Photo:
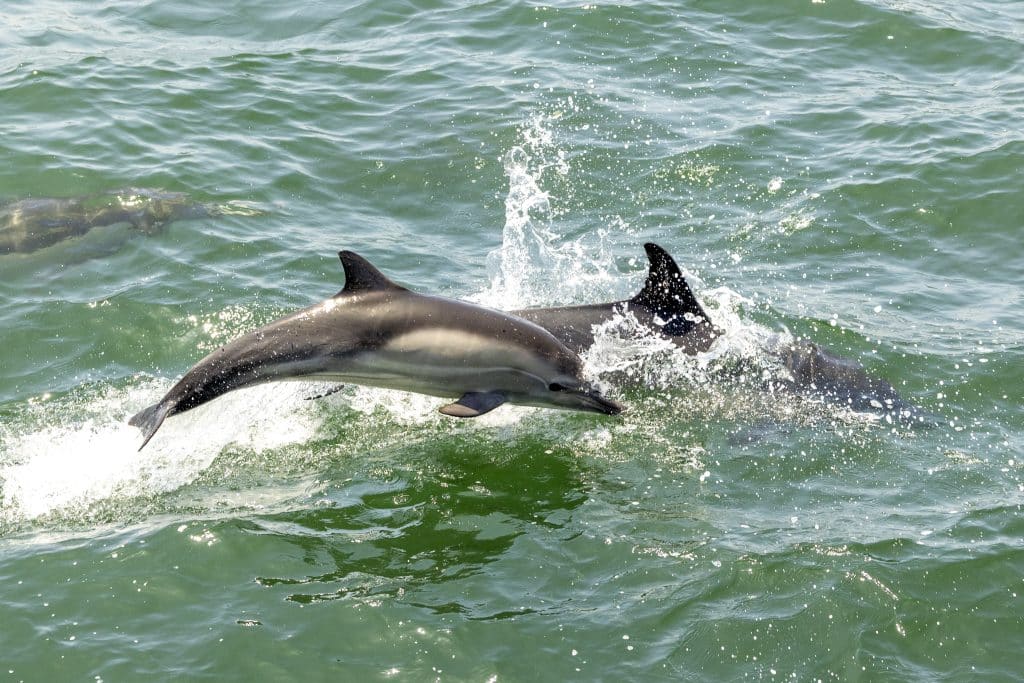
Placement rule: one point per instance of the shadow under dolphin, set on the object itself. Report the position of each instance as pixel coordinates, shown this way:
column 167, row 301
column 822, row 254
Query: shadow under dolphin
column 667, row 306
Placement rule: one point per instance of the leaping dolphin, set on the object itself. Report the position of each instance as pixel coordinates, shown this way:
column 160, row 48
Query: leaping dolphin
column 667, row 306
column 378, row 333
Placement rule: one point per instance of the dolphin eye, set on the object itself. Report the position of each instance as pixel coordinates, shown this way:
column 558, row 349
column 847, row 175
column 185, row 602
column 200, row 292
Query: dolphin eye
column 555, row 386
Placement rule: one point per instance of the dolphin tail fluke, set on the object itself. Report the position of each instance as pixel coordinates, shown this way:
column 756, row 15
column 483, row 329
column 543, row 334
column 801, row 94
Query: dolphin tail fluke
column 667, row 293
column 149, row 420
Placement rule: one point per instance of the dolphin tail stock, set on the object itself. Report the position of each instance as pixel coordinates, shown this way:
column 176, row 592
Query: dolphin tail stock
column 666, row 293
column 150, row 419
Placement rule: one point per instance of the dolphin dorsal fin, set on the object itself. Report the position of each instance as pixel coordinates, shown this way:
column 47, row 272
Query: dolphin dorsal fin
column 363, row 276
column 667, row 293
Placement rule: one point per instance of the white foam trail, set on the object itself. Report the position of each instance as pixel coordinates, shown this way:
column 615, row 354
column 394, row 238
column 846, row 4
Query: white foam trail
column 71, row 465
column 58, row 466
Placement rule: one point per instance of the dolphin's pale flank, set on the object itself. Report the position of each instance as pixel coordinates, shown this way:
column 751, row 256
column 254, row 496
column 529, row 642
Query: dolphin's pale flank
column 666, row 305
column 377, row 333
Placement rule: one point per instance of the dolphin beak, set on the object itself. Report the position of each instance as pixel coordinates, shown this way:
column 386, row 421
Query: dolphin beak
column 593, row 400
column 579, row 396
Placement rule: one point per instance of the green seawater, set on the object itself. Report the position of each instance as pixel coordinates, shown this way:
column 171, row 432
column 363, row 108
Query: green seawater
column 846, row 170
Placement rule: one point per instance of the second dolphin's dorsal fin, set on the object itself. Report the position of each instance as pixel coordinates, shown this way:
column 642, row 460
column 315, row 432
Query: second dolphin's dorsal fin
column 363, row 276
column 667, row 293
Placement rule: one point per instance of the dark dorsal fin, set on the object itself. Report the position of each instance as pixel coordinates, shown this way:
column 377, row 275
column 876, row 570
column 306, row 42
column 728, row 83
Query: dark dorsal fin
column 667, row 293
column 363, row 276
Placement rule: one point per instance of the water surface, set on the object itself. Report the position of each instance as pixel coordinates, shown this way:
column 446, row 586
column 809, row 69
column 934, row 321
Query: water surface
column 847, row 171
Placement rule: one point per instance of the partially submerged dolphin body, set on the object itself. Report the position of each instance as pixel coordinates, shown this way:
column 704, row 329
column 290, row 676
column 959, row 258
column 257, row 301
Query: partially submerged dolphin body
column 666, row 305
column 378, row 333
column 27, row 225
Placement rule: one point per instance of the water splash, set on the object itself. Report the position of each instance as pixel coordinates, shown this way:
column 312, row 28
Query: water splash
column 85, row 451
column 535, row 264
column 66, row 457
column 541, row 263
column 525, row 240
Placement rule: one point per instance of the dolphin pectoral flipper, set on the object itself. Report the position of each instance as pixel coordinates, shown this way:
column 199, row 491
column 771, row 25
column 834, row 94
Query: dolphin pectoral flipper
column 473, row 404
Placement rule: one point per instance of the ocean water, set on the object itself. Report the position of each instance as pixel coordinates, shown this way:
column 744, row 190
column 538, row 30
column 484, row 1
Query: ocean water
column 848, row 171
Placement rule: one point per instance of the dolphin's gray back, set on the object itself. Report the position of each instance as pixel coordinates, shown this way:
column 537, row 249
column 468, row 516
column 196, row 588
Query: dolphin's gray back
column 573, row 325
column 815, row 370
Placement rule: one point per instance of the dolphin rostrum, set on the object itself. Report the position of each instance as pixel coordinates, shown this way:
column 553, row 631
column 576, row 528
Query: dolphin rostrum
column 378, row 333
column 28, row 225
column 666, row 305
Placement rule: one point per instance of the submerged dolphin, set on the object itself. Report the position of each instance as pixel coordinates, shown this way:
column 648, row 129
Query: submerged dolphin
column 27, row 225
column 666, row 305
column 377, row 333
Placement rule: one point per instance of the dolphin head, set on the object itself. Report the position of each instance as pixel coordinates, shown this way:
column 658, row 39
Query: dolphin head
column 562, row 383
